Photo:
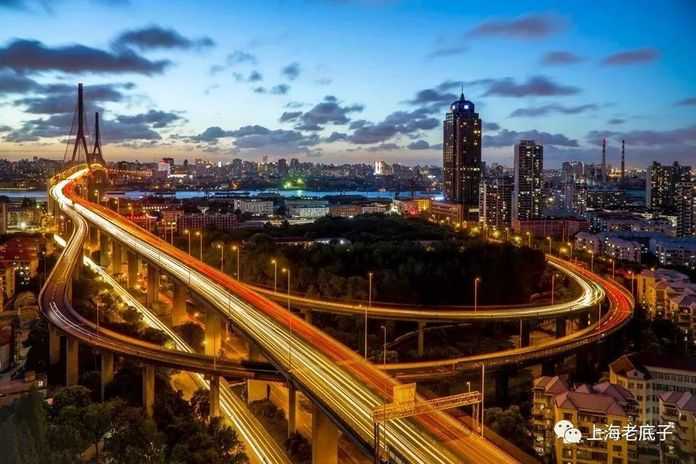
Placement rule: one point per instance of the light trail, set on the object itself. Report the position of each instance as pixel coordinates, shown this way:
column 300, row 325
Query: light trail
column 329, row 372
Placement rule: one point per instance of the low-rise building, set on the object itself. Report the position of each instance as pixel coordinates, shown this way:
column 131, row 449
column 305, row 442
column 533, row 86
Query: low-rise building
column 254, row 206
column 675, row 251
column 559, row 228
column 306, row 208
column 446, row 212
column 679, row 409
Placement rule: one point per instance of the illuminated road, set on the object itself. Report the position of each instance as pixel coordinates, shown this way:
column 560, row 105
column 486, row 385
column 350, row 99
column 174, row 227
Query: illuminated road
column 56, row 308
column 588, row 298
column 619, row 313
column 335, row 377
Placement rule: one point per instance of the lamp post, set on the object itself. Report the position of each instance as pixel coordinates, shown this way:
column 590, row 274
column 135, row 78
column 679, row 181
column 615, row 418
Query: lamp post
column 529, row 239
column 553, row 287
column 549, row 239
column 199, row 233
column 237, row 248
column 477, row 280
column 591, row 261
column 613, row 269
column 222, row 256
column 630, row 273
column 369, row 305
column 188, row 232
column 275, row 274
column 384, row 352
column 287, row 271
column 570, row 245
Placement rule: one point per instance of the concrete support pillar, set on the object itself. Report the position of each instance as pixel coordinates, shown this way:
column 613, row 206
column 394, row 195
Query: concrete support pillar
column 133, row 260
column 307, row 316
column 72, row 363
column 524, row 333
column 292, row 409
column 53, row 345
column 116, row 257
column 107, row 370
column 80, row 263
column 560, row 327
column 502, row 378
column 324, row 438
column 421, row 338
column 257, row 390
column 213, row 332
column 93, row 235
column 103, row 249
column 214, row 398
column 149, row 389
column 179, row 315
column 152, row 285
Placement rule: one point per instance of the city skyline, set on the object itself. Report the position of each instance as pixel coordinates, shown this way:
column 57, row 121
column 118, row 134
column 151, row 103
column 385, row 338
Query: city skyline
column 213, row 82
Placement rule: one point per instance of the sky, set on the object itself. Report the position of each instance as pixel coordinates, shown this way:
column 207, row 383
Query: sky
column 349, row 80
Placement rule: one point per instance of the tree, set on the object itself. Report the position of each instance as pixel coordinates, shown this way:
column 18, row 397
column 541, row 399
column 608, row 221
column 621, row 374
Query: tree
column 200, row 403
column 134, row 439
column 193, row 334
column 97, row 420
column 510, row 424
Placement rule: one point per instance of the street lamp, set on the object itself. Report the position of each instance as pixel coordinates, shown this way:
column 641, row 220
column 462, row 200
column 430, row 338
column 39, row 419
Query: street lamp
column 630, row 273
column 477, row 280
column 549, row 239
column 591, row 261
column 287, row 271
column 222, row 256
column 384, row 353
column 529, row 239
column 570, row 245
column 236, row 248
column 199, row 233
column 613, row 269
column 553, row 287
column 369, row 305
column 188, row 232
column 275, row 274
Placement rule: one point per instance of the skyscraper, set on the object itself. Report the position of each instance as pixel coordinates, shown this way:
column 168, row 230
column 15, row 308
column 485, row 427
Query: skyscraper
column 661, row 186
column 685, row 205
column 527, row 196
column 462, row 157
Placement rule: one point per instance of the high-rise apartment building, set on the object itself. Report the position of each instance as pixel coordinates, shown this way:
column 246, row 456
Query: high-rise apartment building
column 685, row 206
column 527, row 197
column 462, row 157
column 496, row 201
column 661, row 185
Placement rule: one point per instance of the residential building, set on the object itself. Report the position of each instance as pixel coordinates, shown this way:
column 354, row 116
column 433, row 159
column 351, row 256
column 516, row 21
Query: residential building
column 222, row 222
column 679, row 408
column 254, row 206
column 495, row 205
column 558, row 228
column 675, row 251
column 685, row 200
column 306, row 208
column 527, row 197
column 661, row 185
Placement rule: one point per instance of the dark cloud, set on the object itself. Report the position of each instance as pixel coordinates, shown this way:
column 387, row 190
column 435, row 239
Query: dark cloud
column 5, row 129
column 418, row 145
column 560, row 58
column 552, row 108
column 335, row 137
column 638, row 56
column 294, row 104
column 259, row 137
column 691, row 101
column 539, row 86
column 649, row 138
column 616, row 121
column 291, row 71
column 384, row 147
column 491, row 126
column 323, row 81
column 254, row 76
column 507, row 137
column 326, row 112
column 154, row 118
column 211, row 134
column 13, row 82
column 289, row 116
column 526, row 27
column 58, row 125
column 436, row 98
column 444, row 51
column 61, row 98
column 33, row 56
column 156, row 37
column 409, row 123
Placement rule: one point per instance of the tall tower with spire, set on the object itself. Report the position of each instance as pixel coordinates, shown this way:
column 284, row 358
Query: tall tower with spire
column 623, row 160
column 461, row 152
column 80, row 153
column 97, row 156
column 604, row 160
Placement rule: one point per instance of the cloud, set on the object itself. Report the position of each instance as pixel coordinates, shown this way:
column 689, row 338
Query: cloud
column 335, row 137
column 552, row 108
column 13, row 82
column 539, row 86
column 329, row 111
column 491, row 126
column 525, row 27
column 288, row 116
column 691, row 101
column 418, row 145
column 616, row 121
column 507, row 137
column 560, row 58
column 291, row 71
column 637, row 56
column 240, row 56
column 444, row 51
column 32, row 56
column 384, row 147
column 61, row 98
column 280, row 89
column 435, row 97
column 259, row 137
column 154, row 118
column 5, row 129
column 409, row 123
column 254, row 76
column 648, row 138
column 155, row 37
column 324, row 81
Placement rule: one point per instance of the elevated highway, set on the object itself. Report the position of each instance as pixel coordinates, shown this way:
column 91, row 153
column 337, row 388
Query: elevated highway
column 341, row 383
